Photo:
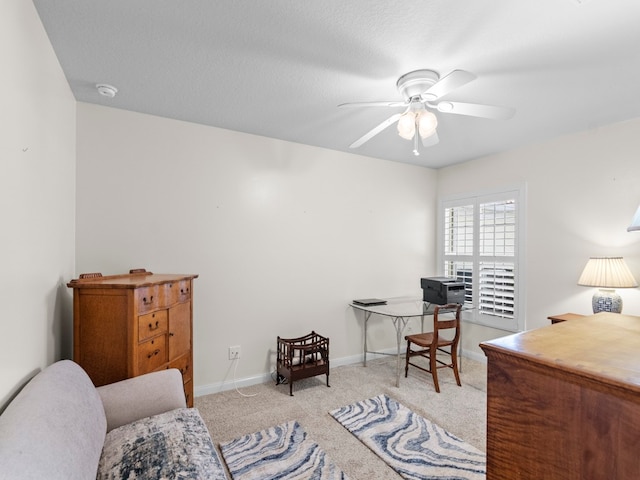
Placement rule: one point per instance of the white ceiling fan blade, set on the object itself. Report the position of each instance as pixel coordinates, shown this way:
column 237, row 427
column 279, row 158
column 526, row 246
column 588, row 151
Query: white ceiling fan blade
column 447, row 84
column 431, row 140
column 493, row 112
column 372, row 133
column 374, row 104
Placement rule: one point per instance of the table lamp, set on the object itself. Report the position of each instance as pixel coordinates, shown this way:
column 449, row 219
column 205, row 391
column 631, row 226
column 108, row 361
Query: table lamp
column 607, row 273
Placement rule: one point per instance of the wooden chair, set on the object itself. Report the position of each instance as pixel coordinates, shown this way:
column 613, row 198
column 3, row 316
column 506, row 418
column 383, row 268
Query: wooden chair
column 429, row 344
column 302, row 357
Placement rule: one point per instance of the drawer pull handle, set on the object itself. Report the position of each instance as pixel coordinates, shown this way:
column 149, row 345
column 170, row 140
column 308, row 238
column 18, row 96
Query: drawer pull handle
column 147, row 302
column 157, row 325
column 184, row 291
column 155, row 352
column 171, row 334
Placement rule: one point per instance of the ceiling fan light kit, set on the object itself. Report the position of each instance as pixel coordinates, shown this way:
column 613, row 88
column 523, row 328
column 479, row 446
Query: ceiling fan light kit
column 420, row 119
column 420, row 90
column 427, row 123
column 407, row 125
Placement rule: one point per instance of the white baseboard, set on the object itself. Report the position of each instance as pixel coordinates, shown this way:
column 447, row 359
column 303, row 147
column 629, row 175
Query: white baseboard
column 338, row 362
column 472, row 355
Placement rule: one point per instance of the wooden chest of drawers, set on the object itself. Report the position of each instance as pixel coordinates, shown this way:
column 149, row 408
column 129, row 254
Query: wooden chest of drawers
column 128, row 325
column 563, row 401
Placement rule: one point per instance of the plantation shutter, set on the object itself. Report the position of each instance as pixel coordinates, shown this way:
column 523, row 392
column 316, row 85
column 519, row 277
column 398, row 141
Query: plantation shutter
column 480, row 248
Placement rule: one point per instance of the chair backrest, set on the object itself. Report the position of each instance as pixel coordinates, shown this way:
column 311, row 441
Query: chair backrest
column 447, row 323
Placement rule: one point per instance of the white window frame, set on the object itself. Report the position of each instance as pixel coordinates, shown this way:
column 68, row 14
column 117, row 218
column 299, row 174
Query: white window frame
column 474, row 315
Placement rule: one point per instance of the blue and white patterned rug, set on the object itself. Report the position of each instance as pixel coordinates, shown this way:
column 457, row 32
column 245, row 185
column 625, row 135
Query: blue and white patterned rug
column 281, row 452
column 413, row 446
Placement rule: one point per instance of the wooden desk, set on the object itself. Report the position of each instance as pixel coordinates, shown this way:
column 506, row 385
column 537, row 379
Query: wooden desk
column 564, row 317
column 563, row 401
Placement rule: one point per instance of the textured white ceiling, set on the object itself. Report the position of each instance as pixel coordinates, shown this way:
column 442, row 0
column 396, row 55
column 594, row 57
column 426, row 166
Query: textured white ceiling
column 279, row 68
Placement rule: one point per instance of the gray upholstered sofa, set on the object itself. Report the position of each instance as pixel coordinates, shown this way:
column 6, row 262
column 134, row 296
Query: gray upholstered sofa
column 61, row 427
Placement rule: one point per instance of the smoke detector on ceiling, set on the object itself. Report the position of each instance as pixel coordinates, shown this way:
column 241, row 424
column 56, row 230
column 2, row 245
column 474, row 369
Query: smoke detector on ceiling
column 106, row 90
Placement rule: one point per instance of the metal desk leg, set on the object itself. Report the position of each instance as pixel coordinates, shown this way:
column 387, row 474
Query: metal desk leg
column 366, row 320
column 400, row 323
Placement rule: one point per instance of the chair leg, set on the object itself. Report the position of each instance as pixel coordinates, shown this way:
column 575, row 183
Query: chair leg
column 407, row 357
column 328, row 380
column 434, row 367
column 290, row 387
column 454, row 362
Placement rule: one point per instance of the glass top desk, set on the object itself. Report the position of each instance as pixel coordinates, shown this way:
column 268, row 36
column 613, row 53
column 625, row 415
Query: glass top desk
column 400, row 310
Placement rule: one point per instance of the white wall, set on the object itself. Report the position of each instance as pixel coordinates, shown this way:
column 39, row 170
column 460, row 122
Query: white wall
column 582, row 191
column 282, row 235
column 37, row 195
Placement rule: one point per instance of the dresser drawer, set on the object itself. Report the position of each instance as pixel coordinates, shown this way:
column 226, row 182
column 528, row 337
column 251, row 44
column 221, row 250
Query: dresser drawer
column 150, row 298
column 152, row 324
column 152, row 354
column 179, row 292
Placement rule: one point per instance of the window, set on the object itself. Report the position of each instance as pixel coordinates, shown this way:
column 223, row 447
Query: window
column 481, row 245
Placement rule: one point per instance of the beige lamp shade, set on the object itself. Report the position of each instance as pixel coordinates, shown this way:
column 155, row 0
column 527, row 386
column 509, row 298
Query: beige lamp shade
column 607, row 273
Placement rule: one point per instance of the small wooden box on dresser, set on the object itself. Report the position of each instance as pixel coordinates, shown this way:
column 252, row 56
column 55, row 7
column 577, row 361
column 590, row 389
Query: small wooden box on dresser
column 131, row 324
column 563, row 401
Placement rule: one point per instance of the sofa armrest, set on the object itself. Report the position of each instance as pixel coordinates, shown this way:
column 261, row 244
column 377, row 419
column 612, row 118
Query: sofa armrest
column 143, row 396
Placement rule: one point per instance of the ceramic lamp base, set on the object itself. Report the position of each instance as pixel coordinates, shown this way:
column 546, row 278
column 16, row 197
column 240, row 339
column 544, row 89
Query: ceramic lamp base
column 606, row 301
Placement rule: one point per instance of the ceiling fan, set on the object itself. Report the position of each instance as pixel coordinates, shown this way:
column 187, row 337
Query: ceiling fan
column 421, row 90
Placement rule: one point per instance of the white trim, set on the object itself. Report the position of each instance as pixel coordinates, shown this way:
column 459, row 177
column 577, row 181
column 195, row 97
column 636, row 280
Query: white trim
column 473, row 355
column 224, row 386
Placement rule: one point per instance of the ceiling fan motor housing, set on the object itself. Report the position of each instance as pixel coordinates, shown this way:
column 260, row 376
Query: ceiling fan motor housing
column 416, row 83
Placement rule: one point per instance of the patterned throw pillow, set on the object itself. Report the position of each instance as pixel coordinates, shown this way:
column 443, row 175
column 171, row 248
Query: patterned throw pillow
column 171, row 445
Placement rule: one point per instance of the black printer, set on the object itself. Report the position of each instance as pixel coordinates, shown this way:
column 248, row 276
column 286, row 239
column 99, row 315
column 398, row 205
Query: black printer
column 442, row 290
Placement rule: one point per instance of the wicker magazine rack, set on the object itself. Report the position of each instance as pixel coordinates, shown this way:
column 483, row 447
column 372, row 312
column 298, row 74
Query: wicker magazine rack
column 302, row 357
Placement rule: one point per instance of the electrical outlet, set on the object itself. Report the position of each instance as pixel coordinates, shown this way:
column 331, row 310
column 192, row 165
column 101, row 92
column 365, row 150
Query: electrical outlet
column 234, row 352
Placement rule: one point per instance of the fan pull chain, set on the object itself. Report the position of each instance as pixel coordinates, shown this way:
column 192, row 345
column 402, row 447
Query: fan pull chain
column 416, row 152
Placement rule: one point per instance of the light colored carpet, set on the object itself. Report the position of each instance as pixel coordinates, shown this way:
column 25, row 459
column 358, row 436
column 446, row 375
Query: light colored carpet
column 459, row 410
